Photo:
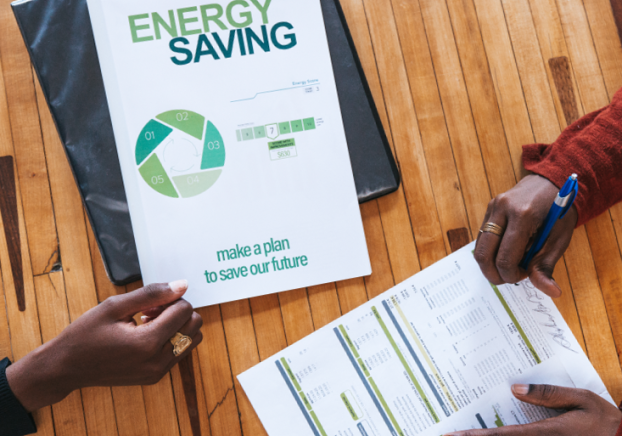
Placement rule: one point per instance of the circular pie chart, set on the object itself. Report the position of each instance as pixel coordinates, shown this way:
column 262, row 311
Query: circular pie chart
column 180, row 154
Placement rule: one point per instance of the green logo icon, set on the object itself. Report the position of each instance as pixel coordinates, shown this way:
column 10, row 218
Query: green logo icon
column 180, row 154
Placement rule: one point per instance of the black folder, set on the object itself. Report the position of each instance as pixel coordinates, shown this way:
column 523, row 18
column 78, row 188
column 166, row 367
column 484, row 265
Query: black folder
column 60, row 40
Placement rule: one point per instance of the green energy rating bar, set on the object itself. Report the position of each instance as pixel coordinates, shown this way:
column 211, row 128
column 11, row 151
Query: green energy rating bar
column 518, row 326
column 405, row 364
column 345, row 400
column 273, row 131
column 498, row 420
column 302, row 395
column 423, row 351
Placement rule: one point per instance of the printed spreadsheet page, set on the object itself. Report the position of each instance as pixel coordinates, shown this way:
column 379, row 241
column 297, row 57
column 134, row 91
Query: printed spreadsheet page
column 231, row 144
column 436, row 354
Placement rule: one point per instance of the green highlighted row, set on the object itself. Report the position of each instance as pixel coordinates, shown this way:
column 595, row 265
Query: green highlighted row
column 303, row 397
column 498, row 420
column 349, row 406
column 283, row 143
column 405, row 364
column 516, row 324
column 272, row 131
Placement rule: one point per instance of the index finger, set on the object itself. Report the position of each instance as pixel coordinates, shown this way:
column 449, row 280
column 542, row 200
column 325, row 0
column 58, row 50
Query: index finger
column 171, row 320
column 487, row 247
column 557, row 425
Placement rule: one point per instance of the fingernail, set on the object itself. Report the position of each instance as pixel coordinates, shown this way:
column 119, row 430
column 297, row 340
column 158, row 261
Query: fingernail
column 520, row 389
column 179, row 286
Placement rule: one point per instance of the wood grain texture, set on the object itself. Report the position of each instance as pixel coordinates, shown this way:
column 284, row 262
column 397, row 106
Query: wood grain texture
column 243, row 355
column 24, row 326
column 482, row 95
column 429, row 110
column 188, row 380
column 505, row 76
column 608, row 48
column 458, row 238
column 444, row 63
column 616, row 9
column 217, row 376
column 460, row 86
column 69, row 417
column 27, row 142
column 560, row 69
column 405, row 131
column 190, row 398
column 8, row 207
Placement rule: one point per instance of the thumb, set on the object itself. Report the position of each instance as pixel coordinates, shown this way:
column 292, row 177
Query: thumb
column 553, row 397
column 153, row 295
column 543, row 264
column 541, row 268
column 541, row 275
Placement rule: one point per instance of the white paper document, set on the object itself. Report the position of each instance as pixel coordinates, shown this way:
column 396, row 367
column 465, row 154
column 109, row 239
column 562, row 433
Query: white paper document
column 231, row 144
column 437, row 353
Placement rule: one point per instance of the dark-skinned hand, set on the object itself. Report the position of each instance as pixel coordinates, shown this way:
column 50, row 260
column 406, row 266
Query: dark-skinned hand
column 586, row 414
column 521, row 211
column 105, row 347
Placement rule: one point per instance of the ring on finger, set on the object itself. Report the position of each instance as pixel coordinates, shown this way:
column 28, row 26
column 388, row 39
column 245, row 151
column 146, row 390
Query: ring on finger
column 493, row 228
column 180, row 343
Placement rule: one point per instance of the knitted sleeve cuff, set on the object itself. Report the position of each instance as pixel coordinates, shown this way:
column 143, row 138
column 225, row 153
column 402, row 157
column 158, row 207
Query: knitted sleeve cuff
column 14, row 419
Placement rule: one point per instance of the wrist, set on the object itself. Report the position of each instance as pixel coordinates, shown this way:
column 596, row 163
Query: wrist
column 40, row 378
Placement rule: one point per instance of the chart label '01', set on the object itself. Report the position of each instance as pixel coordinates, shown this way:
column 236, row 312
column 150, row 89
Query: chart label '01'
column 180, row 154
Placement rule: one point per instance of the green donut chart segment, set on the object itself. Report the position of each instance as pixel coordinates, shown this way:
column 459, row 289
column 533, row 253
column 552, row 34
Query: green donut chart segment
column 192, row 185
column 214, row 149
column 186, row 121
column 154, row 174
column 152, row 135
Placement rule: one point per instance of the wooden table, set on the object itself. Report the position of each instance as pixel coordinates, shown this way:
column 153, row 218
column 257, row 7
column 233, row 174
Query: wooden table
column 460, row 85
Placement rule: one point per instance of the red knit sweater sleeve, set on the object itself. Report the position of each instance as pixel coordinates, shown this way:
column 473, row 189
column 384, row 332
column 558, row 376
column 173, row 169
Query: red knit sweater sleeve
column 592, row 148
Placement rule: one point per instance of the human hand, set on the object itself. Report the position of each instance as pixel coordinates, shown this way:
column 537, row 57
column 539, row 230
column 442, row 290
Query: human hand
column 105, row 347
column 521, row 212
column 587, row 414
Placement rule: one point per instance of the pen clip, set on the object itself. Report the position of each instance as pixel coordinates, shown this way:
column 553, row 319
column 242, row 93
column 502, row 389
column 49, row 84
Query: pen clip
column 570, row 201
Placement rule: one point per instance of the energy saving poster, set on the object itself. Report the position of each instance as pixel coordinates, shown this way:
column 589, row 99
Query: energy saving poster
column 231, row 143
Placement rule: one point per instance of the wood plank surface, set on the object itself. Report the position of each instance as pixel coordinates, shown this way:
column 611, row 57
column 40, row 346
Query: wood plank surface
column 27, row 142
column 460, row 87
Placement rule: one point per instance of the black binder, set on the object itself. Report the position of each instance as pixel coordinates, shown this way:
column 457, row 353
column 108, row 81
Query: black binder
column 60, row 40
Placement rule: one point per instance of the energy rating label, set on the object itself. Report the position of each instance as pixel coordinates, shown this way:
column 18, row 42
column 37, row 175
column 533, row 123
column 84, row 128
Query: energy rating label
column 180, row 154
column 273, row 131
column 283, row 149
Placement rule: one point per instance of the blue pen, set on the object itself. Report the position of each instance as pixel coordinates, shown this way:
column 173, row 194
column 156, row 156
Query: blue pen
column 560, row 207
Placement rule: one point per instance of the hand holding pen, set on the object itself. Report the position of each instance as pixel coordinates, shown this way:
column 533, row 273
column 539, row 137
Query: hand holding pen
column 515, row 223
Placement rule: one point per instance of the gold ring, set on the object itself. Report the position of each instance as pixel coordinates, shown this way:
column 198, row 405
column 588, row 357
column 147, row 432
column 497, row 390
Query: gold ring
column 492, row 228
column 180, row 343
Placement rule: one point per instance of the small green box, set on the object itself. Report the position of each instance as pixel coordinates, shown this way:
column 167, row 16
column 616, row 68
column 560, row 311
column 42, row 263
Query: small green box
column 285, row 128
column 284, row 143
column 247, row 134
column 297, row 126
column 260, row 132
column 239, row 135
column 309, row 123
